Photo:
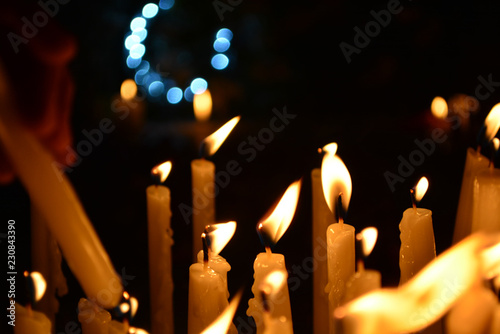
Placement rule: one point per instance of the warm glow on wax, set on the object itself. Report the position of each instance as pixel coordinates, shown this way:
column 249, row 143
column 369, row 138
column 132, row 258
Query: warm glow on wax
column 202, row 105
column 335, row 178
column 273, row 282
column 215, row 140
column 276, row 224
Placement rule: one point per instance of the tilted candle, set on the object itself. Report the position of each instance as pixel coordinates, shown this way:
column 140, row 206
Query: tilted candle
column 270, row 229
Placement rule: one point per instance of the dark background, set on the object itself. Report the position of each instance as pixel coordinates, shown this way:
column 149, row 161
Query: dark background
column 283, row 55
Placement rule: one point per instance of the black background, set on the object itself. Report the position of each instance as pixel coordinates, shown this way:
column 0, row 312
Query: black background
column 284, row 54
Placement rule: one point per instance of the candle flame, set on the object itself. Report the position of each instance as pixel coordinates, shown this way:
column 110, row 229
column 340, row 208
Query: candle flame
column 423, row 299
column 202, row 105
column 335, row 178
column 133, row 330
column 218, row 235
column 130, row 304
column 162, row 170
column 276, row 224
column 496, row 144
column 273, row 282
column 39, row 284
column 128, row 89
column 215, row 140
column 492, row 122
column 421, row 188
column 223, row 322
column 439, row 107
column 368, row 238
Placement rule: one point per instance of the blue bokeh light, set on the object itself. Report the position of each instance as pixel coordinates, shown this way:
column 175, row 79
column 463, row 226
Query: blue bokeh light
column 140, row 76
column 224, row 33
column 221, row 44
column 156, row 88
column 220, row 61
column 188, row 94
column 174, row 95
column 166, row 4
column 131, row 40
column 137, row 23
column 150, row 10
column 132, row 62
column 137, row 51
column 198, row 85
column 140, row 33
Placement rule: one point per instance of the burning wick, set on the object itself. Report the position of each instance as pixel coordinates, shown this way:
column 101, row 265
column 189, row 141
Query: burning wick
column 30, row 292
column 413, row 200
column 266, row 241
column 361, row 255
column 495, row 142
column 205, row 249
column 340, row 212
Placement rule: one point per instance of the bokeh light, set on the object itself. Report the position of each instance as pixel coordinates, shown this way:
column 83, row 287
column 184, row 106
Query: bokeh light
column 174, row 95
column 220, row 61
column 221, row 44
column 150, row 10
column 198, row 85
column 128, row 89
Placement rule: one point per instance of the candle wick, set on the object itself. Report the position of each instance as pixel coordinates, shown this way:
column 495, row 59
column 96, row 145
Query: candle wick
column 413, row 201
column 268, row 251
column 205, row 251
column 29, row 309
column 340, row 212
column 361, row 265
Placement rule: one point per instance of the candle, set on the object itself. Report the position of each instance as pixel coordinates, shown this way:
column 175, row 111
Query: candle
column 46, row 259
column 63, row 212
column 425, row 298
column 364, row 280
column 222, row 324
column 475, row 163
column 337, row 184
column 270, row 288
column 203, row 183
column 208, row 292
column 417, row 236
column 27, row 321
column 161, row 286
column 271, row 229
column 321, row 218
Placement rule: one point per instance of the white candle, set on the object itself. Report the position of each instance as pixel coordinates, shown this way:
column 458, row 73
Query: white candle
column 203, row 183
column 208, row 291
column 364, row 280
column 271, row 229
column 31, row 322
column 46, row 259
column 474, row 163
column 337, row 183
column 321, row 218
column 486, row 201
column 417, row 237
column 270, row 289
column 222, row 324
column 160, row 259
column 52, row 193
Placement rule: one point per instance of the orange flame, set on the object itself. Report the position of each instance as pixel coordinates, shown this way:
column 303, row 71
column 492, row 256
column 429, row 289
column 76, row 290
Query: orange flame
column 223, row 322
column 421, row 188
column 273, row 282
column 439, row 107
column 218, row 235
column 423, row 299
column 368, row 238
column 496, row 144
column 130, row 305
column 162, row 170
column 215, row 140
column 202, row 105
column 335, row 178
column 276, row 224
column 133, row 330
column 492, row 122
column 39, row 283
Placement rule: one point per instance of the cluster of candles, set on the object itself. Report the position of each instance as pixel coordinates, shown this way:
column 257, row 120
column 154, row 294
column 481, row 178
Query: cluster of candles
column 347, row 297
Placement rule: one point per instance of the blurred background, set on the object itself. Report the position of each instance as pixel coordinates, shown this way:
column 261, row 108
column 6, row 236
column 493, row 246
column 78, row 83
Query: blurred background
column 283, row 55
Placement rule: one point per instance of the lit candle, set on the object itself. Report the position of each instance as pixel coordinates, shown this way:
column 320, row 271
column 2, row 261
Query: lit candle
column 337, row 185
column 269, row 289
column 417, row 236
column 208, row 292
column 46, row 259
column 364, row 280
column 425, row 298
column 321, row 218
column 63, row 212
column 475, row 163
column 222, row 324
column 203, row 183
column 161, row 286
column 271, row 229
column 486, row 198
column 26, row 320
